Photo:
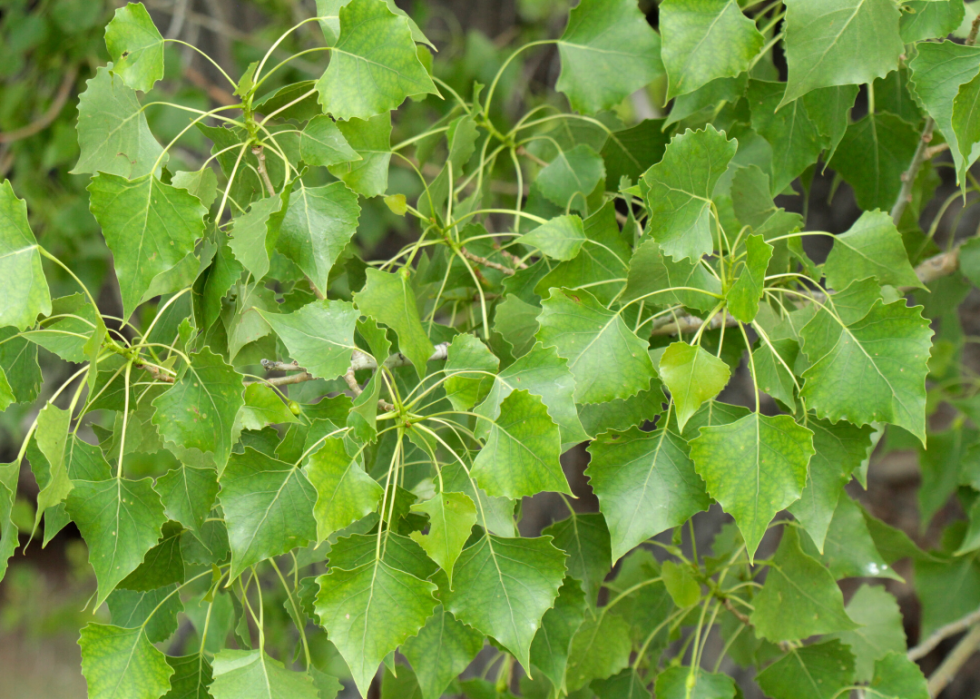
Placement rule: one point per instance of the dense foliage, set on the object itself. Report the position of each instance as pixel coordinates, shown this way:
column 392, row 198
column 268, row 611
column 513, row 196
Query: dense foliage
column 321, row 460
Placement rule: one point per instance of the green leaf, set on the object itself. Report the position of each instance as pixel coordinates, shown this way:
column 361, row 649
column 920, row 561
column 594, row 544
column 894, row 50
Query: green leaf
column 388, row 298
column 819, row 671
column 838, row 450
column 839, row 42
column 162, row 565
column 645, row 483
column 9, row 530
column 672, row 684
column 872, row 370
column 800, row 597
column 113, row 135
column 253, row 235
column 585, row 538
column 131, row 513
column 593, row 339
column 241, row 674
column 136, row 47
column 263, row 406
column 754, row 467
column 27, row 292
column 881, row 629
column 202, row 183
column 318, row 225
column 188, row 494
column 705, row 40
column 746, row 292
column 849, row 550
column 872, row 156
column 153, row 610
column 626, row 685
column 362, row 418
column 268, row 508
column 681, row 185
column 191, row 678
column 966, row 121
column 345, row 493
column 320, row 336
column 327, row 10
column 52, row 437
column 441, row 650
column 681, row 584
column 521, row 454
column 503, row 588
column 371, row 139
column 897, row 677
column 199, row 410
column 568, row 180
column 600, row 648
column 872, row 247
column 374, row 65
column 451, row 518
column 938, row 72
column 370, row 608
column 561, row 238
column 470, row 367
column 630, row 152
column 608, row 51
column 930, row 19
column 7, row 397
column 122, row 664
column 693, row 376
column 69, row 337
column 542, row 373
column 553, row 641
column 322, row 143
column 149, row 227
column 652, row 275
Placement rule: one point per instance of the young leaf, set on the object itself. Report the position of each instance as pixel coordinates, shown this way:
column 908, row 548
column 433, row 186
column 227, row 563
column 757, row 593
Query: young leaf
column 132, row 515
column 838, row 450
column 122, row 663
column 871, row 370
column 553, row 641
column 113, row 135
column 9, row 531
column 318, row 225
column 322, row 143
column 320, row 336
column 542, row 373
column 441, row 650
column 136, row 47
column 388, row 299
column 188, row 494
column 149, row 226
column 872, row 247
column 693, row 376
column 371, row 139
column 672, row 683
column 561, row 238
column 520, row 458
column 745, row 293
column 268, row 508
column 600, row 648
column 253, row 674
column 375, row 45
column 820, row 671
column 370, row 608
column 754, row 467
column 571, row 176
column 897, row 677
column 681, row 186
column 26, row 294
column 704, row 41
column 263, row 407
column 253, row 235
column 881, row 629
column 593, row 339
column 52, row 438
column 839, row 42
column 645, row 483
column 451, row 518
column 199, row 410
column 608, row 51
column 345, row 493
column 585, row 538
column 470, row 367
column 503, row 588
column 800, row 597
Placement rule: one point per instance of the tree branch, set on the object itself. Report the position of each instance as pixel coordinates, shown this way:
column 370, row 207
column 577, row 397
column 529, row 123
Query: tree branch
column 485, row 262
column 945, row 673
column 942, row 633
column 53, row 111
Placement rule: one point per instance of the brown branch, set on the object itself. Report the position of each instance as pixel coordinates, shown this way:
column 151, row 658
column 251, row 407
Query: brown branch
column 945, row 673
column 259, row 153
column 942, row 633
column 155, row 373
column 514, row 259
column 352, row 382
column 485, row 262
column 521, row 150
column 49, row 116
column 216, row 93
